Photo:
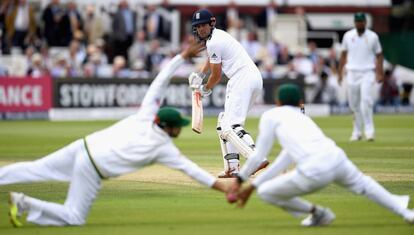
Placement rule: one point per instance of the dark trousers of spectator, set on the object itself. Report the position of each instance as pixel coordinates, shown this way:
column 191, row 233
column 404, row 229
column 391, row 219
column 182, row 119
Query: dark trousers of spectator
column 18, row 39
column 121, row 47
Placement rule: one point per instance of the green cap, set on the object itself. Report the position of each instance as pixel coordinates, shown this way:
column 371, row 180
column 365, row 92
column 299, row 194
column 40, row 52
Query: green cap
column 359, row 16
column 289, row 94
column 170, row 117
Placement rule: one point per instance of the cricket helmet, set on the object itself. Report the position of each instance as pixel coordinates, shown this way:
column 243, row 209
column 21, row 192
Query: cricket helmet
column 202, row 16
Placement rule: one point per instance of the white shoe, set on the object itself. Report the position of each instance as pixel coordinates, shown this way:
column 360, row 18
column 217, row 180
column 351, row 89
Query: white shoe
column 355, row 137
column 370, row 138
column 322, row 216
column 409, row 217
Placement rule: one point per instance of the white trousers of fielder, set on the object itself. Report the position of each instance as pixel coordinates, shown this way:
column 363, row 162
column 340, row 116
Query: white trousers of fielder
column 360, row 97
column 283, row 191
column 69, row 164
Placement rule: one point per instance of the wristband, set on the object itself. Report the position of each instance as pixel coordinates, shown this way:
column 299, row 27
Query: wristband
column 239, row 179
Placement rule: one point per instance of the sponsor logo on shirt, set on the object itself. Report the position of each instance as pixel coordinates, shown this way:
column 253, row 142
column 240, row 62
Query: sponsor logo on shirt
column 214, row 56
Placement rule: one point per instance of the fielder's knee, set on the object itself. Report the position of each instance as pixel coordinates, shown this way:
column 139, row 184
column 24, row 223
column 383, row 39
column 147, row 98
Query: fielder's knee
column 361, row 186
column 271, row 197
column 74, row 218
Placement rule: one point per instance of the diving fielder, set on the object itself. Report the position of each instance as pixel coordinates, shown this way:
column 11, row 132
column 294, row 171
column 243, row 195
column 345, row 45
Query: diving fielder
column 226, row 54
column 132, row 143
column 363, row 57
column 319, row 162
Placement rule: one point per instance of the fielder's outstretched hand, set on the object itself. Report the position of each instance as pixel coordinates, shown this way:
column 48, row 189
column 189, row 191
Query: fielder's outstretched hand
column 244, row 195
column 193, row 49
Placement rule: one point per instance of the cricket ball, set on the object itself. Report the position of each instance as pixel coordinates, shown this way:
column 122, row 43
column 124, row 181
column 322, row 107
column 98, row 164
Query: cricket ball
column 231, row 197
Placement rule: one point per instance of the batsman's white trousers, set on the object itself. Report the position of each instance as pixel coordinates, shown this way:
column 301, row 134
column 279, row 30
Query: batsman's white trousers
column 284, row 190
column 241, row 93
column 360, row 97
column 69, row 164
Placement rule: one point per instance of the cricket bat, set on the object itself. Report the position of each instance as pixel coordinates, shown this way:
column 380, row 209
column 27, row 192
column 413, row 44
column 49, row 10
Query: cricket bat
column 197, row 112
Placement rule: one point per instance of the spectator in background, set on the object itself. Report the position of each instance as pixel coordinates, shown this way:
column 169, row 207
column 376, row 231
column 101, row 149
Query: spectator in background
column 4, row 9
column 406, row 93
column 47, row 61
column 292, row 73
column 124, row 26
column 284, row 57
column 313, row 54
column 100, row 48
column 37, row 68
column 139, row 49
column 75, row 20
column 21, row 24
column 95, row 68
column 267, row 71
column 268, row 15
column 61, row 69
column 325, row 90
column 93, row 26
column 29, row 53
column 57, row 28
column 90, row 50
column 77, row 55
column 302, row 64
column 389, row 92
column 154, row 57
column 3, row 71
column 273, row 48
column 119, row 69
column 138, row 70
column 154, row 24
column 252, row 47
column 332, row 61
column 233, row 21
column 300, row 12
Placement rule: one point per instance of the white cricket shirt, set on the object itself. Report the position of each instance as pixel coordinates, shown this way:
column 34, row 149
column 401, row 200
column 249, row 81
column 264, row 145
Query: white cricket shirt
column 136, row 141
column 223, row 48
column 301, row 140
column 361, row 50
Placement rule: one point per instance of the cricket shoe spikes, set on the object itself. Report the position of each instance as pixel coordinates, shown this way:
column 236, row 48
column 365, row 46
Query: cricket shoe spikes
column 321, row 216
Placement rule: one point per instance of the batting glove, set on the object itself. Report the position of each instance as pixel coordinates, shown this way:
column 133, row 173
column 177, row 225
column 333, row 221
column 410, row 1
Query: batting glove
column 204, row 91
column 195, row 80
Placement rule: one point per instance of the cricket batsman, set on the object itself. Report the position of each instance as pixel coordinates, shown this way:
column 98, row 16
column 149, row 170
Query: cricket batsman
column 319, row 162
column 137, row 141
column 227, row 55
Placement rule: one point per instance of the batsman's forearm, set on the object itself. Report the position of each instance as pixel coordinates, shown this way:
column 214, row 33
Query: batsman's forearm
column 206, row 67
column 212, row 81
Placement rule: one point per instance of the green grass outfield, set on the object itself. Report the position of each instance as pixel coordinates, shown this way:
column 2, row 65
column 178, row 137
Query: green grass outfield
column 161, row 201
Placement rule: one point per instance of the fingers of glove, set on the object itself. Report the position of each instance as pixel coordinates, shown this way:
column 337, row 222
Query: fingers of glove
column 195, row 79
column 204, row 92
